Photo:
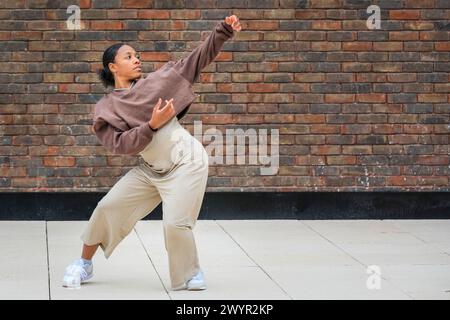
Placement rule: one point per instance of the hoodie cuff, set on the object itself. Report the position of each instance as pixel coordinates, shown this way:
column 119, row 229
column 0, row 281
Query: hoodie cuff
column 145, row 130
column 225, row 29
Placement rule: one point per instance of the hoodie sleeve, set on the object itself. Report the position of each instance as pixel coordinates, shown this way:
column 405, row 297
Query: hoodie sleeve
column 191, row 66
column 118, row 141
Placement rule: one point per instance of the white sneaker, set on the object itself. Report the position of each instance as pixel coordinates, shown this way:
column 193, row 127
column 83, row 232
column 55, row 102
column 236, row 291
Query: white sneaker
column 197, row 282
column 77, row 273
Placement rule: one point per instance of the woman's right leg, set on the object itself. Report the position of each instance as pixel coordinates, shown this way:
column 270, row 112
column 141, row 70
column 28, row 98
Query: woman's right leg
column 128, row 201
column 88, row 251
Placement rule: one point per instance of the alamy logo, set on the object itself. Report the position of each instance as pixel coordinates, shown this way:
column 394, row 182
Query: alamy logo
column 258, row 147
column 374, row 280
column 374, row 21
column 73, row 22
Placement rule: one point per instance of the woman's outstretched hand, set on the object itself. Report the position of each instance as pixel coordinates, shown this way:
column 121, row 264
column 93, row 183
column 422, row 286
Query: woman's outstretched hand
column 234, row 22
column 161, row 115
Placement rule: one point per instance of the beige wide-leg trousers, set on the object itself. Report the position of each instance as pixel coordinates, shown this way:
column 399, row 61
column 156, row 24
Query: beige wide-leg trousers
column 174, row 171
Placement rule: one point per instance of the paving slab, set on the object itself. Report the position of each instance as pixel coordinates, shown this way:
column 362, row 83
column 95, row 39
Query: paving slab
column 127, row 274
column 229, row 272
column 23, row 268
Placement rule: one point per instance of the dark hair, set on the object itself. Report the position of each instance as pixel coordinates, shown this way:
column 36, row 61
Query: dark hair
column 105, row 75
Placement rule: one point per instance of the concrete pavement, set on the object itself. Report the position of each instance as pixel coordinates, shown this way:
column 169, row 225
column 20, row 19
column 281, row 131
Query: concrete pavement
column 241, row 259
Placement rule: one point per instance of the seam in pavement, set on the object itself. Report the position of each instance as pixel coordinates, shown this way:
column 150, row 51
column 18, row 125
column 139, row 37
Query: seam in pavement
column 254, row 261
column 151, row 261
column 347, row 253
column 430, row 243
column 48, row 262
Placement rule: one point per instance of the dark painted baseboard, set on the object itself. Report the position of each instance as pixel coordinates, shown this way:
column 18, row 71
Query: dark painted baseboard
column 246, row 205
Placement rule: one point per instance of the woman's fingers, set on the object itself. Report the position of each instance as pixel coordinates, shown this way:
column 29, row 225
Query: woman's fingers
column 234, row 22
column 231, row 19
column 168, row 106
column 157, row 105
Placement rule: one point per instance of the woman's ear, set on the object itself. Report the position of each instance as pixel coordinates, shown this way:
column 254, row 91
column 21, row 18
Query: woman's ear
column 112, row 67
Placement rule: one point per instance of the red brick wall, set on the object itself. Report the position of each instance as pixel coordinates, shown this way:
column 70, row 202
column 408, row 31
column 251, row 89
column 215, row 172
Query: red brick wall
column 356, row 109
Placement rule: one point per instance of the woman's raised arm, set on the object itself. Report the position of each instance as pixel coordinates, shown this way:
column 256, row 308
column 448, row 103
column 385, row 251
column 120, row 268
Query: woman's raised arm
column 191, row 66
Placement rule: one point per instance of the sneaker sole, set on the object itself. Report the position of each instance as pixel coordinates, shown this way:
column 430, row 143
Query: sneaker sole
column 197, row 288
column 70, row 286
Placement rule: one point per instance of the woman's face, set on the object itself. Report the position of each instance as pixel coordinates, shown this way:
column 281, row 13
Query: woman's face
column 127, row 64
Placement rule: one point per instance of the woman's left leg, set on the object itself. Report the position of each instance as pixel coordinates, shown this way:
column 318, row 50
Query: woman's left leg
column 182, row 196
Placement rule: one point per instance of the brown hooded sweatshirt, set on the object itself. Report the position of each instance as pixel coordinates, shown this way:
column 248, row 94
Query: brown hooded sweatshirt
column 121, row 118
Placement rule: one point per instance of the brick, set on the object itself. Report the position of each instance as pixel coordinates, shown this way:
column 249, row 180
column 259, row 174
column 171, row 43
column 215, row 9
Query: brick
column 326, row 25
column 263, row 87
column 357, row 150
column 371, row 97
column 120, row 14
column 442, row 87
column 137, row 3
column 59, row 161
column 310, row 35
column 325, row 129
column 105, row 4
column 417, row 87
column 106, row 25
column 357, row 46
column 311, row 77
column 339, row 98
column 402, row 77
column 354, row 25
column 325, row 150
column 433, row 160
column 387, row 46
column 371, row 139
column 309, row 140
column 404, row 14
column 341, row 160
column 154, row 14
column 373, row 36
column 278, row 98
column 309, row 118
column 434, row 35
column 419, row 3
column 155, row 56
column 442, row 46
column 309, row 98
column 356, row 67
column 340, row 118
column 325, row 46
column 58, row 77
column 386, row 67
column 324, row 3
column 370, row 77
column 372, row 56
column 73, row 88
column 432, row 77
column 431, row 97
column 268, row 25
column 403, row 35
column 308, row 14
column 402, row 118
column 387, row 87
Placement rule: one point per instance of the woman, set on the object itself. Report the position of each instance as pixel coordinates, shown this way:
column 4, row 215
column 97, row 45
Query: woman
column 132, row 120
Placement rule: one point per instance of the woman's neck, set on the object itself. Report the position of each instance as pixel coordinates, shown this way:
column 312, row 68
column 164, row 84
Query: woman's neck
column 123, row 84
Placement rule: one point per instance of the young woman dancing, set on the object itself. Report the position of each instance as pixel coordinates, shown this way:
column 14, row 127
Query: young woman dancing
column 131, row 120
